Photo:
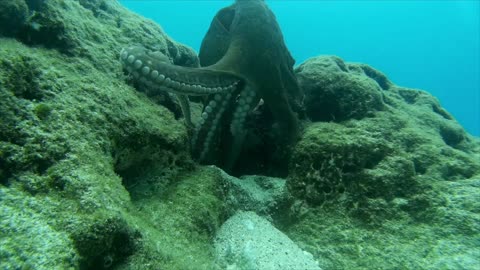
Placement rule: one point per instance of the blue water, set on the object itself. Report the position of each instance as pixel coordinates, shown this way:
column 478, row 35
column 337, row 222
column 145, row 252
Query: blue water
column 429, row 45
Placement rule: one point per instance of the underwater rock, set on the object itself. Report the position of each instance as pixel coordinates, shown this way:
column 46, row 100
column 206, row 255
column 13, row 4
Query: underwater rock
column 267, row 196
column 13, row 16
column 380, row 156
column 81, row 151
column 29, row 239
column 400, row 171
column 247, row 241
column 335, row 91
column 105, row 243
column 332, row 161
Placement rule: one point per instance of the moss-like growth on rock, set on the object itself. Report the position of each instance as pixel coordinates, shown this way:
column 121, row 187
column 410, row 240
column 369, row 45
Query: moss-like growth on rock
column 105, row 243
column 79, row 147
column 369, row 189
column 337, row 92
column 179, row 223
column 13, row 16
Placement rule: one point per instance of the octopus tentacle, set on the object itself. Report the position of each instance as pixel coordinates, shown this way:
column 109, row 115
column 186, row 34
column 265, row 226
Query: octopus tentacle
column 208, row 126
column 247, row 101
column 219, row 107
column 185, row 106
column 154, row 70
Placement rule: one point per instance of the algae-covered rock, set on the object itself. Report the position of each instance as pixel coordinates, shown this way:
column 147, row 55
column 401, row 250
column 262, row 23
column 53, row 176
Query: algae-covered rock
column 13, row 16
column 178, row 225
column 80, row 148
column 29, row 239
column 263, row 195
column 380, row 156
column 379, row 191
column 105, row 242
column 335, row 91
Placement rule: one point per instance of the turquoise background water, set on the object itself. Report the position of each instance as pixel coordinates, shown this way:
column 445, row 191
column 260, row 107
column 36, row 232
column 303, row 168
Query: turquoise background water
column 430, row 45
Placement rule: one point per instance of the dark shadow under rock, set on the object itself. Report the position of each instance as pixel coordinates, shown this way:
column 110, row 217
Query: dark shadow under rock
column 13, row 16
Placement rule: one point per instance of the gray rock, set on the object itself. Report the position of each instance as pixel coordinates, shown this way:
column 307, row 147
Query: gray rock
column 248, row 241
column 260, row 194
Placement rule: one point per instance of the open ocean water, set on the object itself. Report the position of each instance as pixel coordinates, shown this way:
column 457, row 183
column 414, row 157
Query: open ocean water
column 428, row 45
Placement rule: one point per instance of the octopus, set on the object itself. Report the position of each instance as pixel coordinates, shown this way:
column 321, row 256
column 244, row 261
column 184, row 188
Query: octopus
column 244, row 61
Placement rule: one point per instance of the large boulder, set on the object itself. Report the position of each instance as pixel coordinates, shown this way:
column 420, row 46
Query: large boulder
column 394, row 181
column 336, row 91
column 82, row 153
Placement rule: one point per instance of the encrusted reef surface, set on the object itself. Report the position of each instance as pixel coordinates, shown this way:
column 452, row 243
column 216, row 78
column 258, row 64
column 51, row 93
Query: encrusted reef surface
column 383, row 177
column 97, row 175
column 82, row 152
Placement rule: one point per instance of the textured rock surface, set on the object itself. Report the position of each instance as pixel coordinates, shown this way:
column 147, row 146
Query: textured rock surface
column 383, row 156
column 13, row 15
column 379, row 189
column 82, row 153
column 247, row 241
column 267, row 196
column 336, row 91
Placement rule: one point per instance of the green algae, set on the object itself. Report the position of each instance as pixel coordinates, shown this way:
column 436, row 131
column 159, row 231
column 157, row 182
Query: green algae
column 95, row 132
column 180, row 223
column 72, row 133
column 13, row 14
column 384, row 191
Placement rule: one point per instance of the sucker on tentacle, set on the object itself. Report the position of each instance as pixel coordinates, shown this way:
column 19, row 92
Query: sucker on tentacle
column 154, row 70
column 150, row 69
